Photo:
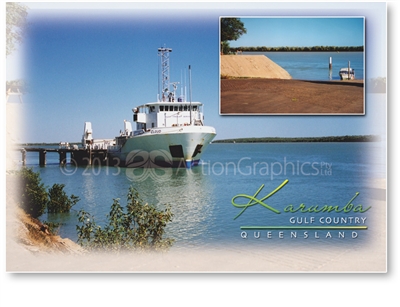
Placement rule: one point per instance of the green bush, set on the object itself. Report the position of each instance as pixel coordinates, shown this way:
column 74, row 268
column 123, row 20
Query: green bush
column 33, row 193
column 59, row 202
column 35, row 197
column 225, row 48
column 142, row 226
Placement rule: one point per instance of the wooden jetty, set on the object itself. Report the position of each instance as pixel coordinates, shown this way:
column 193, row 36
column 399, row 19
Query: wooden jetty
column 80, row 156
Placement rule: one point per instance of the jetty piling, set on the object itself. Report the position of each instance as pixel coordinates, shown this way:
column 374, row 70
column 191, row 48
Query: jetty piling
column 42, row 157
column 90, row 156
column 63, row 157
column 81, row 156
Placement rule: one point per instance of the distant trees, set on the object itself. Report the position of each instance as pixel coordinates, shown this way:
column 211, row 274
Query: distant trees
column 231, row 30
column 15, row 23
column 293, row 49
column 16, row 15
column 16, row 85
column 344, row 138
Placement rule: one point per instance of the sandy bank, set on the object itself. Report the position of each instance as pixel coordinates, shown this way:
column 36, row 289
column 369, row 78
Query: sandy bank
column 251, row 66
column 27, row 235
column 322, row 257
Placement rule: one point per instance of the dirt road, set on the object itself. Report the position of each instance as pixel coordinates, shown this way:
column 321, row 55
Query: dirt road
column 287, row 96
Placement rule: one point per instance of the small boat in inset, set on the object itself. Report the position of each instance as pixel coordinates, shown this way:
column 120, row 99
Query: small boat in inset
column 347, row 73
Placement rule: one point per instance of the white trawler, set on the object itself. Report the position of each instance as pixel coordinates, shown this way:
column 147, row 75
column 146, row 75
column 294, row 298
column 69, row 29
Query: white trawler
column 169, row 132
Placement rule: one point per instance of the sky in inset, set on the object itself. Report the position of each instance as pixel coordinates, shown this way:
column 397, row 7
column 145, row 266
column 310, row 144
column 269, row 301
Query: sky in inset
column 301, row 32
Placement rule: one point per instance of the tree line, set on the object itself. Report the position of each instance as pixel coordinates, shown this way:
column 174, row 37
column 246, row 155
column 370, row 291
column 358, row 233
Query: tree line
column 233, row 28
column 344, row 138
column 295, row 49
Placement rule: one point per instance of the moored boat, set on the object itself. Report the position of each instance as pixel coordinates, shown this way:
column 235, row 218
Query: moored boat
column 347, row 73
column 169, row 132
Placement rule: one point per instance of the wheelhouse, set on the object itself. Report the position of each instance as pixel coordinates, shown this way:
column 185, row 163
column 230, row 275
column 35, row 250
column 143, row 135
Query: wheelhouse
column 168, row 114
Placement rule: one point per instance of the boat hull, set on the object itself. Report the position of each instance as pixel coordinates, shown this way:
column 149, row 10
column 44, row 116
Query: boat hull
column 346, row 74
column 163, row 147
column 346, row 77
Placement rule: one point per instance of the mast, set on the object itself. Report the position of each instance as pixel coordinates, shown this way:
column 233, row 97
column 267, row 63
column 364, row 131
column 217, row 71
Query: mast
column 164, row 53
column 190, row 90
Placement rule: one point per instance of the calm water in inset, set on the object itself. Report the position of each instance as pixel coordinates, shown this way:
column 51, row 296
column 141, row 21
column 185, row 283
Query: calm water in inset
column 315, row 65
column 318, row 174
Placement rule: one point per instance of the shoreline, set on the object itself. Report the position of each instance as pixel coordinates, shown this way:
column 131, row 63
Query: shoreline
column 64, row 255
column 251, row 66
column 322, row 139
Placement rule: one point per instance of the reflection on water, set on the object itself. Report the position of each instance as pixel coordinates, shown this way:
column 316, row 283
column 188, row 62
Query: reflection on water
column 89, row 188
column 200, row 198
column 187, row 191
column 190, row 195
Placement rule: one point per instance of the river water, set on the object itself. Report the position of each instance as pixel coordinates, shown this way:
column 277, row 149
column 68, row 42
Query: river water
column 315, row 65
column 202, row 199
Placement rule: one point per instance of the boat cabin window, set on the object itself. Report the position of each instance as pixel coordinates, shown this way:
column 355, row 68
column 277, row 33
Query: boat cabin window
column 174, row 108
column 144, row 110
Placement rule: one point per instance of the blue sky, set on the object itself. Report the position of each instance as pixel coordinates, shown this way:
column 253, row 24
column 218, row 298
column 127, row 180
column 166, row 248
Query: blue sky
column 301, row 32
column 85, row 67
column 95, row 65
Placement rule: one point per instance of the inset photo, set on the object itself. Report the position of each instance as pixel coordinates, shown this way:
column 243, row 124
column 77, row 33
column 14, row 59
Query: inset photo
column 292, row 65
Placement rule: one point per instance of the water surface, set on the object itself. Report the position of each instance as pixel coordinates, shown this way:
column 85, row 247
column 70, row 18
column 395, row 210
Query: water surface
column 315, row 65
column 201, row 198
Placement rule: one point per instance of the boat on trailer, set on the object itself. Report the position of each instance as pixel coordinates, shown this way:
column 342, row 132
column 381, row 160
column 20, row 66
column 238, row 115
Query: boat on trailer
column 169, row 132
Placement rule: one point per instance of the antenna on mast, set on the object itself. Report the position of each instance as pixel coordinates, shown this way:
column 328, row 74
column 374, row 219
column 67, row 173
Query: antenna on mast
column 185, row 94
column 164, row 53
column 181, row 87
column 190, row 93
